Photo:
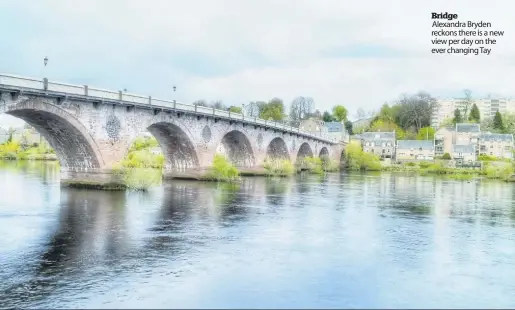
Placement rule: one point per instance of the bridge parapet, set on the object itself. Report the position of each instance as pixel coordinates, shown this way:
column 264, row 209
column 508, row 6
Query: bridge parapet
column 57, row 89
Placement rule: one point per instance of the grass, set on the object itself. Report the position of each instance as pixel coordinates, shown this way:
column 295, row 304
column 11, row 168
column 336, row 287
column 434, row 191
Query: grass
column 13, row 150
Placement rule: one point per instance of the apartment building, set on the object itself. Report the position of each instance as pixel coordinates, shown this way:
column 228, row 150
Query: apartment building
column 444, row 139
column 444, row 108
column 498, row 145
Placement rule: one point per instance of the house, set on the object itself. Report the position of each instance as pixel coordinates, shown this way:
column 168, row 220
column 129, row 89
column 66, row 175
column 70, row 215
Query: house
column 444, row 139
column 379, row 143
column 498, row 145
column 312, row 125
column 336, row 131
column 414, row 150
column 466, row 153
column 467, row 133
column 156, row 150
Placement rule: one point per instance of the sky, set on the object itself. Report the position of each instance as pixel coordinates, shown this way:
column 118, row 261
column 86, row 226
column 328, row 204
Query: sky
column 359, row 54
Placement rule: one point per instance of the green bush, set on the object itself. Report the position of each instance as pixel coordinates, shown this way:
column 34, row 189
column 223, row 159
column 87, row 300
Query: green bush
column 329, row 165
column 223, row 170
column 278, row 167
column 356, row 159
column 139, row 179
column 143, row 159
column 446, row 156
column 424, row 164
column 501, row 171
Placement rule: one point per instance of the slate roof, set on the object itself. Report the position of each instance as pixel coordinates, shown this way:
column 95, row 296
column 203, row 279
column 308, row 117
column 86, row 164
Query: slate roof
column 466, row 127
column 334, row 126
column 468, row 148
column 496, row 137
column 426, row 145
column 380, row 135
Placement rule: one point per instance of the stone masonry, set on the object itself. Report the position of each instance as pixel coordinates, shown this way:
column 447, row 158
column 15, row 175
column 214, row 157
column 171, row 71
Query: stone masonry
column 90, row 137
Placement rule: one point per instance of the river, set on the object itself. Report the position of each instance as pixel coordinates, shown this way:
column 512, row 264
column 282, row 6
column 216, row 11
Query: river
column 346, row 241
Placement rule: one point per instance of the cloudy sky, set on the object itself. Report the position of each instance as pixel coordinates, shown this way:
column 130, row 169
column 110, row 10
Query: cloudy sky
column 355, row 53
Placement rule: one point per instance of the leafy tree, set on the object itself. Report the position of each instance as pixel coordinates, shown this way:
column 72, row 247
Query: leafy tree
column 328, row 117
column 348, row 127
column 446, row 156
column 426, row 133
column 274, row 110
column 235, row 109
column 387, row 126
column 340, row 113
column 457, row 117
column 474, row 115
column 498, row 123
column 361, row 114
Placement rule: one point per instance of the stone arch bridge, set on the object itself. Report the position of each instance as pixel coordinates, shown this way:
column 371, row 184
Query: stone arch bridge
column 92, row 129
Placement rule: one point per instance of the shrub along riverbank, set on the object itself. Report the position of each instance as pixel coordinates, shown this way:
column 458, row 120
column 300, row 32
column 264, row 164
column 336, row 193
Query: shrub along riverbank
column 13, row 150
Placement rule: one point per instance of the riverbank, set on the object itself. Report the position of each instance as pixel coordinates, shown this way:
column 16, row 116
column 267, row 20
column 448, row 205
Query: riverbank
column 499, row 170
column 14, row 151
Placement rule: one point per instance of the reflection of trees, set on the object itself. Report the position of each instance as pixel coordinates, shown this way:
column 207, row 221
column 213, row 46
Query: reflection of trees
column 86, row 219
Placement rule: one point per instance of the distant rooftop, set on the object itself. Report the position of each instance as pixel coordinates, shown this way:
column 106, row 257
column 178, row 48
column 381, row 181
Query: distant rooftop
column 369, row 135
column 496, row 137
column 415, row 144
column 334, row 126
column 467, row 127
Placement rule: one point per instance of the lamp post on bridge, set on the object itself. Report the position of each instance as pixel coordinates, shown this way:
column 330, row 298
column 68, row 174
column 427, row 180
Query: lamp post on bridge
column 45, row 80
column 174, row 88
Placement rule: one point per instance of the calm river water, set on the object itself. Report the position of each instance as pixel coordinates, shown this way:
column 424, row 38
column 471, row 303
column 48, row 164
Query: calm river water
column 347, row 241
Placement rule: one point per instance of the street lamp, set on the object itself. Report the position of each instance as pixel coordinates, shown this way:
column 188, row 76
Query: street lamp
column 243, row 108
column 45, row 61
column 174, row 88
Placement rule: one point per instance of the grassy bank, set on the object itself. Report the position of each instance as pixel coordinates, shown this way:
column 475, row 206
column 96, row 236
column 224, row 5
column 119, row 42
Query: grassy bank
column 15, row 151
column 499, row 170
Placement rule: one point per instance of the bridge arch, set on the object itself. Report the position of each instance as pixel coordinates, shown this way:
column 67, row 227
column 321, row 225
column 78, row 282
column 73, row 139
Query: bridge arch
column 324, row 152
column 277, row 149
column 71, row 141
column 305, row 150
column 237, row 148
column 177, row 146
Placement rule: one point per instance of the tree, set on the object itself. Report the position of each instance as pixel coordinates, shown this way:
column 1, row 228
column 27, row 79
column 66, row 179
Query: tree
column 361, row 114
column 498, row 123
column 301, row 108
column 426, row 133
column 387, row 126
column 327, row 117
column 317, row 114
column 414, row 111
column 457, row 117
column 467, row 102
column 274, row 110
column 201, row 103
column 348, row 127
column 474, row 115
column 253, row 108
column 340, row 113
column 235, row 109
column 218, row 105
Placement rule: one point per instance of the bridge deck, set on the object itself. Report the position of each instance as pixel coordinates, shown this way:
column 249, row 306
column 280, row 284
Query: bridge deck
column 43, row 87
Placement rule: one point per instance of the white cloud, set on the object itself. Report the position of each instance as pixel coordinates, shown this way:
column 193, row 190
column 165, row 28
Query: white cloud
column 256, row 50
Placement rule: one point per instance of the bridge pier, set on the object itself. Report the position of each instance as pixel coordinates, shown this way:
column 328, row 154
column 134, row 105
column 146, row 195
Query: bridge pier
column 105, row 179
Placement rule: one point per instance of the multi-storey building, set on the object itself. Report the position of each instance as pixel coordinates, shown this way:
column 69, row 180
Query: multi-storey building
column 444, row 108
column 497, row 145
